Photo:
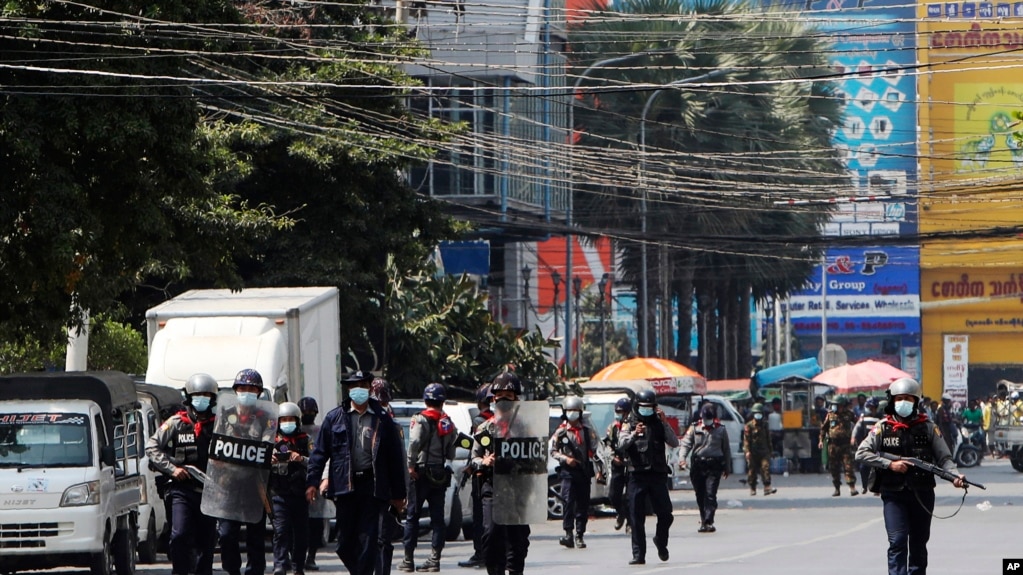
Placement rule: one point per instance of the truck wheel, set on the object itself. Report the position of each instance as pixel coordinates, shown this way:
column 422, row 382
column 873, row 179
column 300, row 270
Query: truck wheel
column 125, row 546
column 1016, row 459
column 102, row 563
column 454, row 526
column 147, row 548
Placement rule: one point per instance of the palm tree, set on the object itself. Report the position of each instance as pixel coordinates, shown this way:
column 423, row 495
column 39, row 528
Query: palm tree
column 717, row 159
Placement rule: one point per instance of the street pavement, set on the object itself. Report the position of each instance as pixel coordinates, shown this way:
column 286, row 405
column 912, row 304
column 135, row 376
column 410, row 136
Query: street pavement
column 801, row 529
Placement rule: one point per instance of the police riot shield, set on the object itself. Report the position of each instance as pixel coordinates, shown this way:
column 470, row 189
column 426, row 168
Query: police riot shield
column 520, row 466
column 240, row 459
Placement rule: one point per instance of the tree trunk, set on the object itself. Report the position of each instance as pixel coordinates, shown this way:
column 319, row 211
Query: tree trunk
column 745, row 356
column 684, row 291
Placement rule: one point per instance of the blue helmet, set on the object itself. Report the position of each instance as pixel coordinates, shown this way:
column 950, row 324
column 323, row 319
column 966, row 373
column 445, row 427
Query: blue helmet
column 248, row 377
column 483, row 394
column 434, row 392
column 623, row 405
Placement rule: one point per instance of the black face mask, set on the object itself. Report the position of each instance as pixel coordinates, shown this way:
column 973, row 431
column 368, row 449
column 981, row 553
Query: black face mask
column 308, row 419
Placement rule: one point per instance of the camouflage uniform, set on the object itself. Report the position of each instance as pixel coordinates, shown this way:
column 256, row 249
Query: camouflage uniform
column 837, row 429
column 756, row 443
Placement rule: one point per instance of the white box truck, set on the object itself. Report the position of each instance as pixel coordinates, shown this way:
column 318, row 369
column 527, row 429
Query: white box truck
column 290, row 335
column 71, row 470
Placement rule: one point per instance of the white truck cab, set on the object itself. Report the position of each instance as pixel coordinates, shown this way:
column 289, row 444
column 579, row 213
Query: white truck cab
column 70, row 471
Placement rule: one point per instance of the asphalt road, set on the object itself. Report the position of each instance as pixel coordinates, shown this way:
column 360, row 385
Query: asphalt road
column 801, row 529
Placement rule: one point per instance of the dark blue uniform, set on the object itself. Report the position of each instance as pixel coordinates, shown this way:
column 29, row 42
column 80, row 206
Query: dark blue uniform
column 648, row 472
column 291, row 511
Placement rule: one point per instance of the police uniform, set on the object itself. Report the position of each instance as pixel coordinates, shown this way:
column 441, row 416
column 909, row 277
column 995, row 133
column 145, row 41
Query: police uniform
column 476, row 485
column 504, row 546
column 178, row 442
column 648, row 472
column 711, row 457
column 908, row 498
column 619, row 473
column 578, row 442
column 432, row 443
column 837, row 430
column 256, row 424
column 291, row 511
column 864, row 424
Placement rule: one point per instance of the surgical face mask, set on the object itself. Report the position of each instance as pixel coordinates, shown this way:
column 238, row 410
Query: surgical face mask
column 645, row 411
column 289, row 427
column 502, row 399
column 708, row 422
column 619, row 416
column 758, row 416
column 572, row 415
column 247, row 398
column 359, row 395
column 904, row 408
column 200, row 402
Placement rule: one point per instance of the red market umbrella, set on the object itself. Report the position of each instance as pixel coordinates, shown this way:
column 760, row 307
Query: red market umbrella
column 864, row 377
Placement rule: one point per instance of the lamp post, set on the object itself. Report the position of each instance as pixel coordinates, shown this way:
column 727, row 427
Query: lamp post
column 569, row 280
column 577, row 289
column 525, row 296
column 644, row 282
column 602, row 286
column 556, row 280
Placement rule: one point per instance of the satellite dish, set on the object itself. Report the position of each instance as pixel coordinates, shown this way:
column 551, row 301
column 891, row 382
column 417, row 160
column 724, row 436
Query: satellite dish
column 833, row 355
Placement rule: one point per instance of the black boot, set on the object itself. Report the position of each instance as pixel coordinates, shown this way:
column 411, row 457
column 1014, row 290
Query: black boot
column 310, row 561
column 567, row 540
column 579, row 543
column 432, row 564
column 472, row 562
column 407, row 564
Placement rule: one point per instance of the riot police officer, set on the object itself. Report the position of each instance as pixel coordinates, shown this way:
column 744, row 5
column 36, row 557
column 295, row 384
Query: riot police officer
column 184, row 441
column 574, row 446
column 644, row 444
column 483, row 399
column 906, row 492
column 320, row 508
column 287, row 483
column 619, row 474
column 504, row 546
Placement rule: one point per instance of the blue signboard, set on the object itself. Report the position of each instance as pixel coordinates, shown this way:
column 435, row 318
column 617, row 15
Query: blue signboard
column 864, row 290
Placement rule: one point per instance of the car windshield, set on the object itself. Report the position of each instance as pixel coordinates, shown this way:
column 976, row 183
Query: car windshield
column 44, row 440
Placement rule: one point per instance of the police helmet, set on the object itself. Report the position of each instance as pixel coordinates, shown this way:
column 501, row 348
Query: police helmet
column 623, row 405
column 380, row 390
column 507, row 381
column 248, row 377
column 646, row 397
column 308, row 405
column 882, row 405
column 708, row 411
column 483, row 394
column 905, row 386
column 872, row 402
column 573, row 403
column 434, row 392
column 289, row 409
column 757, row 408
column 201, row 383
column 358, row 376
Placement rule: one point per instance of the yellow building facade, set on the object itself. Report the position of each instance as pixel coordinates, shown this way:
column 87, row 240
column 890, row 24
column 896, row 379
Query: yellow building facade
column 970, row 81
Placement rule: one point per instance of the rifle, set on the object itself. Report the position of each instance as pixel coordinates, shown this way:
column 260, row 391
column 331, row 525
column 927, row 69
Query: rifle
column 930, row 468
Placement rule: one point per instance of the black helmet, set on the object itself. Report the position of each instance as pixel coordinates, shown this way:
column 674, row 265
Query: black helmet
column 507, row 381
column 483, row 394
column 248, row 377
column 308, row 405
column 646, row 397
column 623, row 405
column 358, row 377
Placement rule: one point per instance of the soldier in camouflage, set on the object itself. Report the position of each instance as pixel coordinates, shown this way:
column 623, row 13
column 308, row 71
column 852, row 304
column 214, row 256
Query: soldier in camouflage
column 836, row 429
column 756, row 443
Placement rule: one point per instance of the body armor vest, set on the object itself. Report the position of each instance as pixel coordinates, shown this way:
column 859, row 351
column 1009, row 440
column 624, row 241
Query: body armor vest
column 914, row 441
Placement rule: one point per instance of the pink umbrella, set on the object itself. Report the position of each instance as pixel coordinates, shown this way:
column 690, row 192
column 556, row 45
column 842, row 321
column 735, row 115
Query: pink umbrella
column 865, row 377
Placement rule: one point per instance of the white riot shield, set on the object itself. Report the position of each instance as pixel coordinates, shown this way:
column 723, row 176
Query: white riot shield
column 520, row 468
column 239, row 466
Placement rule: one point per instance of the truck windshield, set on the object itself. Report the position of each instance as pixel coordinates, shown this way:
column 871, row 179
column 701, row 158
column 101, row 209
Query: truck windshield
column 44, row 440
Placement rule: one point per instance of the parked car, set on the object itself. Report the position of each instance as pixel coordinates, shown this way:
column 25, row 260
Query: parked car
column 457, row 501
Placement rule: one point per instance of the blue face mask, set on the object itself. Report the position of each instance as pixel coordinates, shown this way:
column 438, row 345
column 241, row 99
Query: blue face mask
column 359, row 395
column 288, row 427
column 645, row 411
column 247, row 398
column 619, row 416
column 200, row 402
column 904, row 408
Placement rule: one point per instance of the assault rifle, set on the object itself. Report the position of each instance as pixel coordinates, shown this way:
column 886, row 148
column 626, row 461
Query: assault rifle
column 928, row 467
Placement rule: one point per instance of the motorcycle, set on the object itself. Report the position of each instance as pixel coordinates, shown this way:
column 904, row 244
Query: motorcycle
column 966, row 452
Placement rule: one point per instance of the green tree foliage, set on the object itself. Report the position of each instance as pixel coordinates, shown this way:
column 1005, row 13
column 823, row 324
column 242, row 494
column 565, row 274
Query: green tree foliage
column 440, row 330
column 112, row 346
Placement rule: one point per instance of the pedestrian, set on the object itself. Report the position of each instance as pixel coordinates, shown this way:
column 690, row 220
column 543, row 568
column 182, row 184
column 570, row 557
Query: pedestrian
column 574, row 446
column 390, row 526
column 184, row 441
column 706, row 441
column 484, row 413
column 756, row 443
column 290, row 462
column 321, row 508
column 619, row 472
column 836, row 431
column 946, row 421
column 907, row 493
column 645, row 444
column 432, row 443
column 861, row 405
column 360, row 446
column 504, row 546
column 775, row 424
column 863, row 426
column 247, row 420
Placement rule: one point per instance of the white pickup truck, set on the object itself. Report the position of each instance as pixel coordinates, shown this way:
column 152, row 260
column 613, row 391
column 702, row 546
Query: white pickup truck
column 1006, row 427
column 70, row 471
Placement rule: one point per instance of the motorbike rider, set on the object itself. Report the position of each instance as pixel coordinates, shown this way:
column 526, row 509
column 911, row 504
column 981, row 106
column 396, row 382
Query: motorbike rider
column 907, row 493
column 184, row 440
column 644, row 444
